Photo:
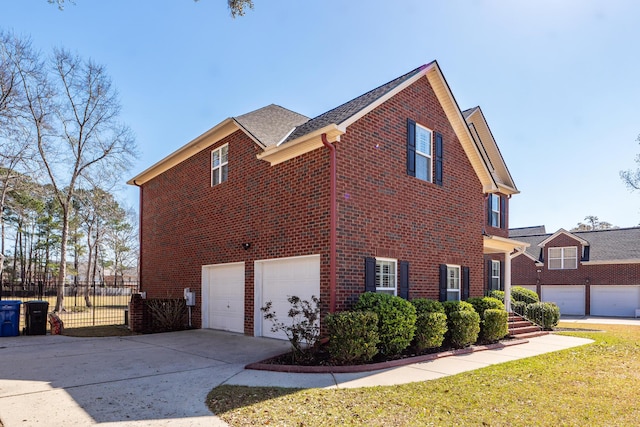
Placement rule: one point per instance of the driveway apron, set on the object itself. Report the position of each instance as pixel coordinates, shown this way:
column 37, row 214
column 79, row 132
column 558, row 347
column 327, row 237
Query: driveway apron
column 151, row 380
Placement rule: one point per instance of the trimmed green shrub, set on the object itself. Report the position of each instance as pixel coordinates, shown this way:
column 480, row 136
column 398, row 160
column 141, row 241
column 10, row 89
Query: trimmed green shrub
column 431, row 324
column 480, row 304
column 396, row 320
column 519, row 307
column 430, row 330
column 518, row 293
column 424, row 305
column 464, row 327
column 497, row 295
column 452, row 306
column 545, row 314
column 353, row 336
column 494, row 325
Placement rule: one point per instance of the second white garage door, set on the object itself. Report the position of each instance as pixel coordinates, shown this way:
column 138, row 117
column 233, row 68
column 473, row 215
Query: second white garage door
column 621, row 301
column 278, row 279
column 570, row 298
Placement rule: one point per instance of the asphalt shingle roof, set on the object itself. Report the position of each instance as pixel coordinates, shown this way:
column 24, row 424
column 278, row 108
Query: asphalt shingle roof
column 270, row 124
column 606, row 245
column 348, row 109
column 527, row 231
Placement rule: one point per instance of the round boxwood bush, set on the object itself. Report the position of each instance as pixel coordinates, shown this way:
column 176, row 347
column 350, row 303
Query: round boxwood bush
column 463, row 323
column 480, row 304
column 497, row 295
column 545, row 314
column 353, row 336
column 518, row 293
column 464, row 327
column 396, row 320
column 494, row 325
column 431, row 324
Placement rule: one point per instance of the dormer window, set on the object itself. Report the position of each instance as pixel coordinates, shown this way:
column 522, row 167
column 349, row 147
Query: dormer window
column 219, row 165
column 563, row 258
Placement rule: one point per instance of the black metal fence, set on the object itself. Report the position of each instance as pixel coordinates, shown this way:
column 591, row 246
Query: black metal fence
column 85, row 304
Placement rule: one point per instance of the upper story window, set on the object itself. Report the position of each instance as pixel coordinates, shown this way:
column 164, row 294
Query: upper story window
column 453, row 283
column 494, row 213
column 386, row 275
column 563, row 258
column 219, row 165
column 423, row 153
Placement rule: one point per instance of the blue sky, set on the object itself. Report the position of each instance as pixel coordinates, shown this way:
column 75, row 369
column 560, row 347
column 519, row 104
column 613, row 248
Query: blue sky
column 556, row 79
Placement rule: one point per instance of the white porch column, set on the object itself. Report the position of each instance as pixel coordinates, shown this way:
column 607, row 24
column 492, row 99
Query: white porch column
column 507, row 282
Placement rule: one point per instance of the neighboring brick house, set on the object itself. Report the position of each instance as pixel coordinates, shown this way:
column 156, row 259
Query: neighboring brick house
column 584, row 272
column 393, row 191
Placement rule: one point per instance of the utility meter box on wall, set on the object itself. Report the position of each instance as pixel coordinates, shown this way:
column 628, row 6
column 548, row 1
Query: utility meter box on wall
column 189, row 297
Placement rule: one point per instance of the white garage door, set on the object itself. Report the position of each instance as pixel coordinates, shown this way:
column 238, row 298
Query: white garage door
column 613, row 300
column 570, row 298
column 223, row 297
column 278, row 279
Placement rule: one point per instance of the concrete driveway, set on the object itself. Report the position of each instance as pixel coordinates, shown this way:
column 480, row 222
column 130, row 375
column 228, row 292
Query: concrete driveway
column 150, row 380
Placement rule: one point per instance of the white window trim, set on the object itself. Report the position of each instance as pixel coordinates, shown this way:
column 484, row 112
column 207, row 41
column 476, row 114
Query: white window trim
column 459, row 289
column 563, row 258
column 395, row 276
column 218, row 169
column 429, row 157
column 493, row 270
column 496, row 212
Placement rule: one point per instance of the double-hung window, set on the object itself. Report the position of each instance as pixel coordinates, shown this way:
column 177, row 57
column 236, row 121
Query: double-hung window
column 219, row 165
column 494, row 205
column 563, row 258
column 386, row 275
column 423, row 153
column 453, row 283
column 495, row 275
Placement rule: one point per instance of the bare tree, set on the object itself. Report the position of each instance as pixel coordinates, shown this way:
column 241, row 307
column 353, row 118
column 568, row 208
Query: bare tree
column 15, row 150
column 236, row 7
column 632, row 177
column 593, row 223
column 74, row 113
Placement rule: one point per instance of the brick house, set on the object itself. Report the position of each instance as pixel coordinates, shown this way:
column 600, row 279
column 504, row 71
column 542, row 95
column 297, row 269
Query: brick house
column 395, row 191
column 584, row 272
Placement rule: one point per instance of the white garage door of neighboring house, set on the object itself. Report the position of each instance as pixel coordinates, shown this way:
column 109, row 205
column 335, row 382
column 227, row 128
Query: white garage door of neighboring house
column 570, row 298
column 530, row 287
column 278, row 279
column 613, row 300
column 223, row 297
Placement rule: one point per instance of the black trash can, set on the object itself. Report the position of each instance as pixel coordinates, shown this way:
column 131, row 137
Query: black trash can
column 35, row 317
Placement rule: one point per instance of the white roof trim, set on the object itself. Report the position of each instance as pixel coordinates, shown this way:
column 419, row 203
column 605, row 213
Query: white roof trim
column 566, row 233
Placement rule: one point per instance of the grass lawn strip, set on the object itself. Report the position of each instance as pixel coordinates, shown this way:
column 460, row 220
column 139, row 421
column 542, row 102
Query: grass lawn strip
column 596, row 385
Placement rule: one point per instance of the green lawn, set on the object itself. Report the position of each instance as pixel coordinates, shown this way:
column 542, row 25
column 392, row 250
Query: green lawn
column 594, row 385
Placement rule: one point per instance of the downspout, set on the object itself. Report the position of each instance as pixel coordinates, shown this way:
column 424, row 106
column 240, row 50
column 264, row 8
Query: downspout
column 139, row 236
column 333, row 222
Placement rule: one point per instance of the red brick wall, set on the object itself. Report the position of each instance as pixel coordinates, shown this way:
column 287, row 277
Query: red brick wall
column 284, row 210
column 384, row 212
column 281, row 210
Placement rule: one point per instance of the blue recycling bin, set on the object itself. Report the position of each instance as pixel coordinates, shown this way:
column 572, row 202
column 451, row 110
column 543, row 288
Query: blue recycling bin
column 10, row 318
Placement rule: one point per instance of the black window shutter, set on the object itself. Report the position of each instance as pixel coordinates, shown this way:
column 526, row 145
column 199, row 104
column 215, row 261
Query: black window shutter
column 465, row 283
column 369, row 274
column 585, row 253
column 438, row 168
column 411, row 147
column 443, row 283
column 502, row 273
column 404, row 279
column 489, row 211
column 489, row 275
column 503, row 212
